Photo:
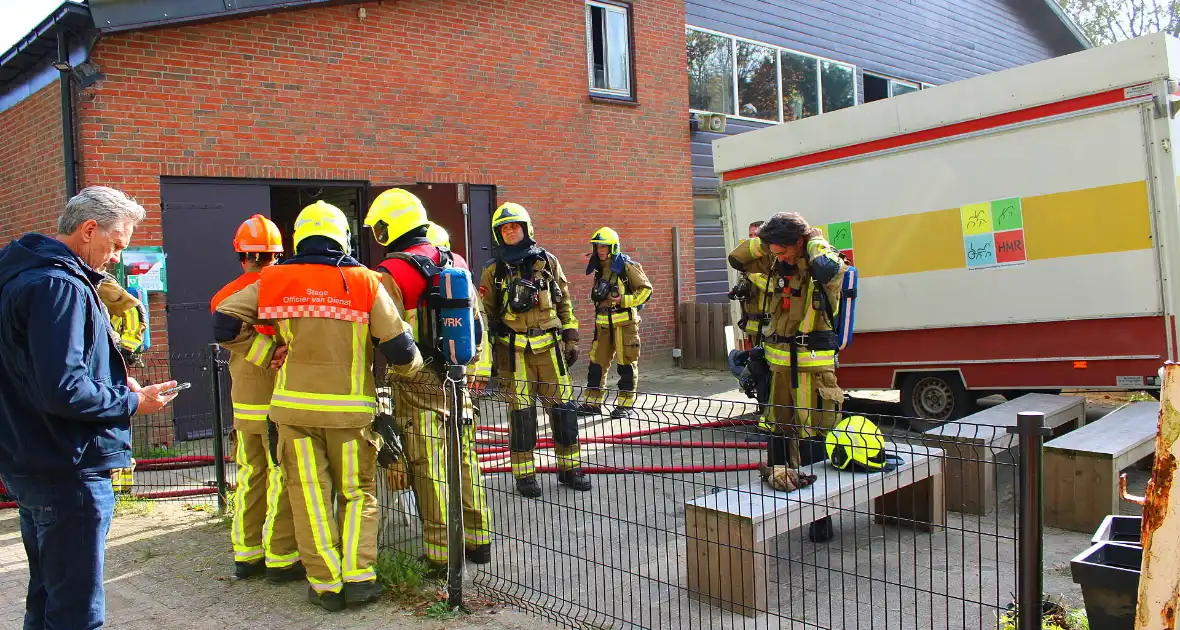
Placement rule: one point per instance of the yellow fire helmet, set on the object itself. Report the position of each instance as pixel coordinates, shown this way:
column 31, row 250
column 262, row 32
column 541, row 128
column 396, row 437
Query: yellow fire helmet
column 393, row 213
column 510, row 213
column 606, row 236
column 323, row 219
column 856, row 444
column 437, row 235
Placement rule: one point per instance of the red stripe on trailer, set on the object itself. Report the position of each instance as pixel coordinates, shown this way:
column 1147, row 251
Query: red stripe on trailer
column 1012, row 355
column 1047, row 110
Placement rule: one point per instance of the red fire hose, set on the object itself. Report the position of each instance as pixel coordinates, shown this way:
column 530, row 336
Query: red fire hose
column 496, row 449
column 610, row 470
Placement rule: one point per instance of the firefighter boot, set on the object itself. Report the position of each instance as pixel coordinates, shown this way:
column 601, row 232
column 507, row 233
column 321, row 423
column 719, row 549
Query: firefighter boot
column 479, row 554
column 528, row 486
column 589, row 409
column 247, row 570
column 293, row 573
column 331, row 602
column 358, row 593
column 821, row 531
column 574, row 478
column 622, row 413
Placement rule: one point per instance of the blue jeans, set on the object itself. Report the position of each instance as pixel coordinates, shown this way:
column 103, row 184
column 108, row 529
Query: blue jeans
column 64, row 523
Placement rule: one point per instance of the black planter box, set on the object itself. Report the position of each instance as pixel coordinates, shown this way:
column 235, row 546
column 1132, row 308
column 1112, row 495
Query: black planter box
column 1109, row 576
column 1124, row 530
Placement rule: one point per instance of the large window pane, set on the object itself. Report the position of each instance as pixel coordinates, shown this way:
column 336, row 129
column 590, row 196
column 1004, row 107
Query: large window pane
column 839, row 86
column 710, row 72
column 617, row 50
column 897, row 89
column 757, row 81
column 800, row 86
column 609, row 49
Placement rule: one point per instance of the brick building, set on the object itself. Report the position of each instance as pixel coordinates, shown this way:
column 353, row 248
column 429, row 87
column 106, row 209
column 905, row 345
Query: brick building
column 210, row 116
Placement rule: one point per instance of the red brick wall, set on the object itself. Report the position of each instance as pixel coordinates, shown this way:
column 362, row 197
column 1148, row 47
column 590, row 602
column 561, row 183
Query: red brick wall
column 32, row 177
column 458, row 91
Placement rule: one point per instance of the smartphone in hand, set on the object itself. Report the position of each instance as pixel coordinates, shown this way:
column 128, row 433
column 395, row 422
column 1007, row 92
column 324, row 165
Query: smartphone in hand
column 173, row 390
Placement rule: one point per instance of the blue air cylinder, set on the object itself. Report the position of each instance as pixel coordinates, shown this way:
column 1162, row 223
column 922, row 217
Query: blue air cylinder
column 456, row 316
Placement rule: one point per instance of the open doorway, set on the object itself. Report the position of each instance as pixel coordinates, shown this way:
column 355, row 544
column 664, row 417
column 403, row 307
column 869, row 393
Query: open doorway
column 463, row 210
column 287, row 201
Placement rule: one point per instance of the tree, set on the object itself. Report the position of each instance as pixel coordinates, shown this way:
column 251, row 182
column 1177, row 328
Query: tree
column 1109, row 21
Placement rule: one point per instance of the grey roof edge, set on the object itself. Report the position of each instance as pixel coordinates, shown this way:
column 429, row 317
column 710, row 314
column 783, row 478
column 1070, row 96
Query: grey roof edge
column 1069, row 24
column 164, row 13
column 46, row 28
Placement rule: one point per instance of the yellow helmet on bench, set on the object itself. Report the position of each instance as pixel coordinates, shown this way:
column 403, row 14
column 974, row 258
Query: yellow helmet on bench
column 856, row 444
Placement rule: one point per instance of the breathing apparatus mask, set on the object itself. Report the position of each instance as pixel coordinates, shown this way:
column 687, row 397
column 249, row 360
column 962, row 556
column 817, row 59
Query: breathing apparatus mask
column 523, row 295
column 741, row 290
column 601, row 290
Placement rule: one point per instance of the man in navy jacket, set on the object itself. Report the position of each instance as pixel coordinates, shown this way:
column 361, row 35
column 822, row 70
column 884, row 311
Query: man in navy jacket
column 66, row 403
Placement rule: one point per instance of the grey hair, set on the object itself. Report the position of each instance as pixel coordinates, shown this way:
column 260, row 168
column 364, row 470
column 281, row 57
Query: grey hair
column 107, row 206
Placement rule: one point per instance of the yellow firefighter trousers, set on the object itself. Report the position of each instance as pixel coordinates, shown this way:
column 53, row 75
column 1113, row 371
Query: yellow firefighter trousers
column 322, row 465
column 621, row 345
column 421, row 409
column 811, row 409
column 262, row 527
column 541, row 375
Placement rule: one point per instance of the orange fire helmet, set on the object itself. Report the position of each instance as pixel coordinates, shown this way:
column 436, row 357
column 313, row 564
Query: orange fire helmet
column 258, row 234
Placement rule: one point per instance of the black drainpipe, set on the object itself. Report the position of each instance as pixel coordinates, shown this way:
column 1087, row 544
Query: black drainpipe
column 67, row 118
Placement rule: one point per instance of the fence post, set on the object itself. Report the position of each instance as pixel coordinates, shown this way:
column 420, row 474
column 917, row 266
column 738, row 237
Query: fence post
column 456, row 382
column 218, row 427
column 1031, row 430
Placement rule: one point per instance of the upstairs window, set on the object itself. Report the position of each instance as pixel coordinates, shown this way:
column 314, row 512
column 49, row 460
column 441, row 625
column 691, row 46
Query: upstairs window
column 608, row 49
column 756, row 81
column 878, row 87
column 710, row 72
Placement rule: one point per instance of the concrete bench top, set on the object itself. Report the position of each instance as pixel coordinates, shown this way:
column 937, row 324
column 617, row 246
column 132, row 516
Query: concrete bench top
column 1113, row 435
column 774, row 512
column 990, row 425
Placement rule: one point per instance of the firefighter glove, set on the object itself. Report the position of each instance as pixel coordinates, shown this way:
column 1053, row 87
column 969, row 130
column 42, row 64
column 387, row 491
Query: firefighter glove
column 785, row 479
column 570, row 353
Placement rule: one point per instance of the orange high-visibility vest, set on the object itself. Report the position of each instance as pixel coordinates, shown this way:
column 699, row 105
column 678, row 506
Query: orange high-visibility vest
column 242, row 281
column 293, row 290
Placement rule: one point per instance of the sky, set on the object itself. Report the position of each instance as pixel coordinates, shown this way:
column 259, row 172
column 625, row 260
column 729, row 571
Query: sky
column 20, row 16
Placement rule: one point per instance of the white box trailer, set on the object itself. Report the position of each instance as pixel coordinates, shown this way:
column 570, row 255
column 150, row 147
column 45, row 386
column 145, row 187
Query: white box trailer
column 1014, row 232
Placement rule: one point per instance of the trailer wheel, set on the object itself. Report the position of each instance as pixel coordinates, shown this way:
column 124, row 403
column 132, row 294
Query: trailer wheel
column 932, row 398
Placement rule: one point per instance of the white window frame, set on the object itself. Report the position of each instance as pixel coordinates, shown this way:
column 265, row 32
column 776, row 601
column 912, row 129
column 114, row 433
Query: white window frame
column 819, row 83
column 625, row 10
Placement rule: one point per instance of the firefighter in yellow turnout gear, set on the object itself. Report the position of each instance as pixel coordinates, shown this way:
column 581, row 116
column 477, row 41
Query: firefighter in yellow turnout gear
column 262, row 532
column 804, row 275
column 750, row 291
column 414, row 245
column 527, row 302
column 330, row 312
column 128, row 317
column 620, row 289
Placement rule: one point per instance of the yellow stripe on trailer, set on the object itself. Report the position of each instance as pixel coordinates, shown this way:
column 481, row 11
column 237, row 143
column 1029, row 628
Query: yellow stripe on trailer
column 1057, row 225
column 1078, row 222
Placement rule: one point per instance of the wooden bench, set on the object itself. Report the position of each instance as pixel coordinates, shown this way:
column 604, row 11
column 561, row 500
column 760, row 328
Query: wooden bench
column 728, row 531
column 972, row 443
column 1081, row 468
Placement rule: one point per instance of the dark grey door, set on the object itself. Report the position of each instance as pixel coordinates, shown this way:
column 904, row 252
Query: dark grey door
column 199, row 221
column 479, row 226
